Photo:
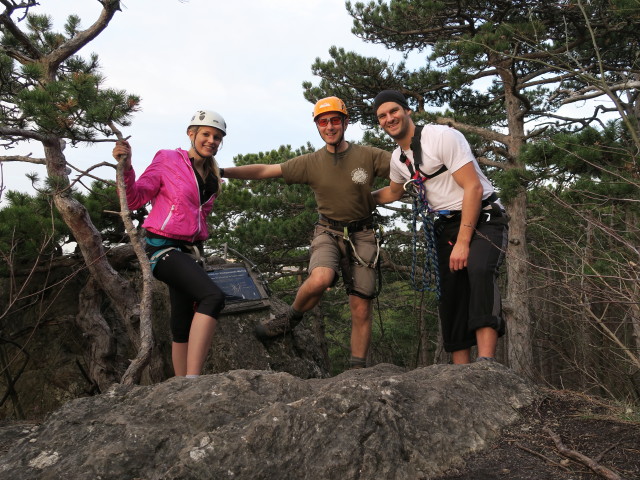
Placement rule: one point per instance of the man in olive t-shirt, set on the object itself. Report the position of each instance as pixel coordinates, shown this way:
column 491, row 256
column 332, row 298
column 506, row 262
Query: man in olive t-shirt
column 341, row 176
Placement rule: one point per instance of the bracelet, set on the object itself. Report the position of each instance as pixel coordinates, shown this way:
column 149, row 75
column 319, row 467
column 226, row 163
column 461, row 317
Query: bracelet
column 221, row 172
column 467, row 225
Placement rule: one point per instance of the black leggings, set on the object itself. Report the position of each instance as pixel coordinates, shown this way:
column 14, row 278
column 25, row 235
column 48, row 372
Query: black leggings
column 190, row 290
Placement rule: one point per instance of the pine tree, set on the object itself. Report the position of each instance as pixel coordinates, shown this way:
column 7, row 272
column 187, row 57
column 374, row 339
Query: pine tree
column 51, row 95
column 498, row 71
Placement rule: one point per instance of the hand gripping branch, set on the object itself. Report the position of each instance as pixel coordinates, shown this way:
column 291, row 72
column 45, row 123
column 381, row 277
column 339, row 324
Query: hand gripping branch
column 134, row 371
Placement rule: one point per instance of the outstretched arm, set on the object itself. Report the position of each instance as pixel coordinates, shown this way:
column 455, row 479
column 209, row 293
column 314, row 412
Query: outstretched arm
column 256, row 171
column 389, row 194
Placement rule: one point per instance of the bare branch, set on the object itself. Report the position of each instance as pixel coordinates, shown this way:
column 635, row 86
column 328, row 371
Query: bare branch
column 86, row 173
column 465, row 127
column 9, row 24
column 133, row 373
column 22, row 158
column 492, row 163
column 579, row 457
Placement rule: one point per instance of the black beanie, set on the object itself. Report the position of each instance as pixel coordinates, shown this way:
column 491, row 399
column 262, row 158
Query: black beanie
column 389, row 96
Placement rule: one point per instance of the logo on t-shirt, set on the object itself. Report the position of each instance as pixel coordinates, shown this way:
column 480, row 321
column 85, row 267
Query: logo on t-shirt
column 359, row 176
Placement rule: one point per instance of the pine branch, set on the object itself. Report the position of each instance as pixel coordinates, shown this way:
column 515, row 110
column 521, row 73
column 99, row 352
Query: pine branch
column 72, row 46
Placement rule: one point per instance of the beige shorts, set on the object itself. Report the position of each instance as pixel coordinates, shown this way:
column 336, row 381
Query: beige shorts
column 328, row 249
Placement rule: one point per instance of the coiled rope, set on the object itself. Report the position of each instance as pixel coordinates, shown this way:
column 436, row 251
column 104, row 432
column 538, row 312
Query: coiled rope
column 430, row 280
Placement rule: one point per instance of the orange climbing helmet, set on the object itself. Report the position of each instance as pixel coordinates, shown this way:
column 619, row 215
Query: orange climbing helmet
column 329, row 104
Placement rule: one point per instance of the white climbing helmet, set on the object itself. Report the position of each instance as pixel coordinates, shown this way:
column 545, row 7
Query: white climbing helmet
column 209, row 118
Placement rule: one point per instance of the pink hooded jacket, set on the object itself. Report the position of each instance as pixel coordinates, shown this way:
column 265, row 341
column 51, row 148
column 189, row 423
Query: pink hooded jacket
column 170, row 184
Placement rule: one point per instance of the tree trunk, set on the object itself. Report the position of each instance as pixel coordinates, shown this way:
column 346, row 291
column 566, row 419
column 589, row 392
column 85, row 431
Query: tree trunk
column 634, row 288
column 516, row 308
column 102, row 345
column 516, row 314
column 123, row 297
column 634, row 318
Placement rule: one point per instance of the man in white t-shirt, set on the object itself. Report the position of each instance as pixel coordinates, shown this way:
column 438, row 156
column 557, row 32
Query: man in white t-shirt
column 471, row 226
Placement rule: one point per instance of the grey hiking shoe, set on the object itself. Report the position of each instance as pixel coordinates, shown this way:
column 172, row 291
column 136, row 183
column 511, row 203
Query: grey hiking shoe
column 276, row 325
column 486, row 359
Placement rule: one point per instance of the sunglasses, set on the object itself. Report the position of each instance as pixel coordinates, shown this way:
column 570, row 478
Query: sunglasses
column 323, row 122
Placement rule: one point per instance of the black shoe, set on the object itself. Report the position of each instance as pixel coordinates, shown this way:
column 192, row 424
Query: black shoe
column 275, row 326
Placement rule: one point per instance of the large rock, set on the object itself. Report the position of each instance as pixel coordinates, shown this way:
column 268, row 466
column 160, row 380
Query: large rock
column 47, row 355
column 376, row 423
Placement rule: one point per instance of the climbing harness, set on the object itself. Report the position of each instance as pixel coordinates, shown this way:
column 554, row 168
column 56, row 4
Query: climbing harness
column 344, row 230
column 192, row 250
column 416, row 188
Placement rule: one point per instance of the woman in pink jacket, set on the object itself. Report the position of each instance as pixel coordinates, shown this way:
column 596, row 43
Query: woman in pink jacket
column 182, row 186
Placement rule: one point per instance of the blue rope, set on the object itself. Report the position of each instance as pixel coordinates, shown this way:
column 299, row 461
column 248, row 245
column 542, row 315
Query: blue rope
column 430, row 272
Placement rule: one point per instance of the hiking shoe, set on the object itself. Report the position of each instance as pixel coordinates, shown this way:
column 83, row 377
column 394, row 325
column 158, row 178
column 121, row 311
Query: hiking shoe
column 357, row 362
column 276, row 325
column 486, row 359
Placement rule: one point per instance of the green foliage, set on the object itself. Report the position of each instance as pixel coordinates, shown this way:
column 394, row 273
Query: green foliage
column 541, row 53
column 30, row 228
column 103, row 206
column 588, row 155
column 266, row 220
column 69, row 102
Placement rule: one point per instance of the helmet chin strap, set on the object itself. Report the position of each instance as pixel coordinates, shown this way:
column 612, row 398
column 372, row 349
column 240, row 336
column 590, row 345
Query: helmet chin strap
column 337, row 144
column 193, row 145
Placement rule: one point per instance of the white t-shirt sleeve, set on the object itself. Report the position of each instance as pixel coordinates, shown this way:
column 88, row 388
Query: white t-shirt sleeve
column 444, row 146
column 398, row 172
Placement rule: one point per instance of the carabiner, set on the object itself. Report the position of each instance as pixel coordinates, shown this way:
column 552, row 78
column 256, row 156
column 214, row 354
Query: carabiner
column 412, row 189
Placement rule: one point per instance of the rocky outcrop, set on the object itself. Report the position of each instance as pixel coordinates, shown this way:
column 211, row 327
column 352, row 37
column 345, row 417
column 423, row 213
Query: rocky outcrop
column 44, row 354
column 376, row 423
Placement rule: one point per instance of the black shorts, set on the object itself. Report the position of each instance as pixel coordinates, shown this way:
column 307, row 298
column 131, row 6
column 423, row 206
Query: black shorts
column 470, row 298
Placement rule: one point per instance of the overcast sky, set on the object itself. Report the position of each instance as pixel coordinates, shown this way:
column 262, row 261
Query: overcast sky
column 246, row 59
